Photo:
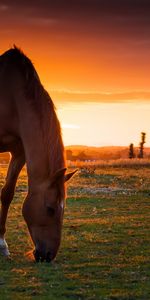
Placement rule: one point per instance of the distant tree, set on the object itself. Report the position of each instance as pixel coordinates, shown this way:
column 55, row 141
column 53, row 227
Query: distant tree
column 141, row 150
column 131, row 151
column 82, row 156
column 69, row 154
column 143, row 137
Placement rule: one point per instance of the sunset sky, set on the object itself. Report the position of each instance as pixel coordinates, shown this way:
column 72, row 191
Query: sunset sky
column 93, row 57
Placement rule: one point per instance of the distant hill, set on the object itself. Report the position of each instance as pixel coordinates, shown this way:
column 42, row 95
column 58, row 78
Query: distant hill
column 4, row 158
column 101, row 153
column 79, row 152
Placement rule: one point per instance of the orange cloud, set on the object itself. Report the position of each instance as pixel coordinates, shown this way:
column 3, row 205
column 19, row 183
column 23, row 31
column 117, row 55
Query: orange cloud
column 68, row 96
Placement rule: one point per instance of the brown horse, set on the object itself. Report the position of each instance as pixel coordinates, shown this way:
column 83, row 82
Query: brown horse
column 30, row 131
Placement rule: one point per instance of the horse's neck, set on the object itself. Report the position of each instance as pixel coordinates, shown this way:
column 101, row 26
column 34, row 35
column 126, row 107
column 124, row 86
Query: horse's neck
column 35, row 149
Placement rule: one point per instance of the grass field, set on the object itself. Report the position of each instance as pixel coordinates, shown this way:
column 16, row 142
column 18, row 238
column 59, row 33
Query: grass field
column 105, row 250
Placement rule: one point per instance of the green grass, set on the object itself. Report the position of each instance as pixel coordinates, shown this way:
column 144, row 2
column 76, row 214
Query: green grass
column 105, row 250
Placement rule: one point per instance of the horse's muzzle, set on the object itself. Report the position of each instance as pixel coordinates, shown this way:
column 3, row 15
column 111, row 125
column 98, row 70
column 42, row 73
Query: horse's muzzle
column 41, row 257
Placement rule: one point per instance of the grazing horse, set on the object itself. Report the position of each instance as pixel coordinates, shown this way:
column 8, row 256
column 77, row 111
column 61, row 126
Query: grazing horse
column 30, row 131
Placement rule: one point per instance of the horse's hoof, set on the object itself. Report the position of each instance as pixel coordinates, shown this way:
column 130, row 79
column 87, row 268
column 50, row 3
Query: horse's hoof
column 4, row 251
column 4, row 247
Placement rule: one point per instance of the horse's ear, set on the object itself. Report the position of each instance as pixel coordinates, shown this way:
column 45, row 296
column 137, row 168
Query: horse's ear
column 69, row 175
column 58, row 176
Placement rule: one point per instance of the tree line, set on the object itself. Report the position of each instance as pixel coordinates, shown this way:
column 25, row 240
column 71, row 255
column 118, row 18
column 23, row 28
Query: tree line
column 141, row 148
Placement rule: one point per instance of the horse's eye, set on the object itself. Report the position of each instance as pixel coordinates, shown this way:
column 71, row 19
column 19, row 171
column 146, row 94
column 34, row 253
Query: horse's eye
column 50, row 211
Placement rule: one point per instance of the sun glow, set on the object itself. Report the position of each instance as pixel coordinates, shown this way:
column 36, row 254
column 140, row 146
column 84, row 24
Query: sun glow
column 104, row 124
column 70, row 126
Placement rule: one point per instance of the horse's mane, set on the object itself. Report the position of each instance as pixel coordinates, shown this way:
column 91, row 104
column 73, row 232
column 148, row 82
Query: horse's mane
column 43, row 104
column 33, row 85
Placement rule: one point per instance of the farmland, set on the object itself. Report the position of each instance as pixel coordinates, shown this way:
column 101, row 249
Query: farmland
column 105, row 247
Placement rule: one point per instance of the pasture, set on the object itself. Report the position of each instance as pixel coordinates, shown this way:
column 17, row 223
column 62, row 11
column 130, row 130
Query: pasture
column 105, row 249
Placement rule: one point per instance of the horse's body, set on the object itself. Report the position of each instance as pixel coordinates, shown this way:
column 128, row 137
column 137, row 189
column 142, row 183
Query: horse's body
column 30, row 131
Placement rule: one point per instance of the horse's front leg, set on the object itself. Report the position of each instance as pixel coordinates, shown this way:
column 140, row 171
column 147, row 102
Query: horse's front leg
column 7, row 193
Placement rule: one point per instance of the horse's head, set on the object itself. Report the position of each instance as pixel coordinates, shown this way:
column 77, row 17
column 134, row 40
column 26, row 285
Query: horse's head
column 43, row 212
